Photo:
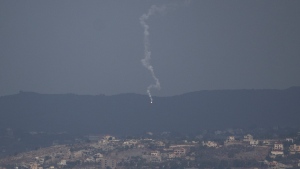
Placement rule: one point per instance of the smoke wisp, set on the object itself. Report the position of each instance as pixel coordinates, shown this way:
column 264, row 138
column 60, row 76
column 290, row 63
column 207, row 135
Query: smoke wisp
column 147, row 53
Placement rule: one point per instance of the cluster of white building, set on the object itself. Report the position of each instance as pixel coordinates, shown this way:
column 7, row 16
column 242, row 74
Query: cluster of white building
column 276, row 150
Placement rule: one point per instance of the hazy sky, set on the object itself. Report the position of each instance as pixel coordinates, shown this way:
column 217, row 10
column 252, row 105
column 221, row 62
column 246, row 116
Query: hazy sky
column 96, row 47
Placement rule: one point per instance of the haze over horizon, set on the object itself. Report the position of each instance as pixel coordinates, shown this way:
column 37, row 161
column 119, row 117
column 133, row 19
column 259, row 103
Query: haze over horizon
column 96, row 47
column 145, row 94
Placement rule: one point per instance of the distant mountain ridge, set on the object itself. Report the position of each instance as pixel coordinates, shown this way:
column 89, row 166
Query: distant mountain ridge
column 133, row 113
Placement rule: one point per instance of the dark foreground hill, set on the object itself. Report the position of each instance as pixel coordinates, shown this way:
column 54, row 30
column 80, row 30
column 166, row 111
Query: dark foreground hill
column 133, row 113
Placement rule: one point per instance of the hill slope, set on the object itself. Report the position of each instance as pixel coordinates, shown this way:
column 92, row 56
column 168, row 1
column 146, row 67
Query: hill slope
column 132, row 113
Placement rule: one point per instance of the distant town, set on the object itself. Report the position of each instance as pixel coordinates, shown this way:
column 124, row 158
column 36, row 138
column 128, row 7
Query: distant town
column 276, row 148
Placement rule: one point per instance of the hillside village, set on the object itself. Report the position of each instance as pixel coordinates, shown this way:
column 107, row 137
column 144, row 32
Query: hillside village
column 225, row 149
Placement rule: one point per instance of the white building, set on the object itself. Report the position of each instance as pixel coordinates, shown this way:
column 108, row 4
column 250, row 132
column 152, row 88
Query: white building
column 112, row 163
column 289, row 140
column 230, row 138
column 294, row 149
column 278, row 146
column 232, row 141
column 130, row 143
column 155, row 153
column 109, row 137
column 98, row 155
column 210, row 144
column 254, row 142
column 177, row 153
column 277, row 149
column 62, row 163
column 277, row 153
column 155, row 156
column 248, row 138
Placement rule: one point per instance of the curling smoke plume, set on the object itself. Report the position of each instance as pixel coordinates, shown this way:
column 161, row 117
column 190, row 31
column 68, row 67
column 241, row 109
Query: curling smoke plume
column 146, row 59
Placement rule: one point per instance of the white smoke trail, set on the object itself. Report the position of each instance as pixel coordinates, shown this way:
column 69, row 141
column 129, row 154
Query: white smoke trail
column 146, row 59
